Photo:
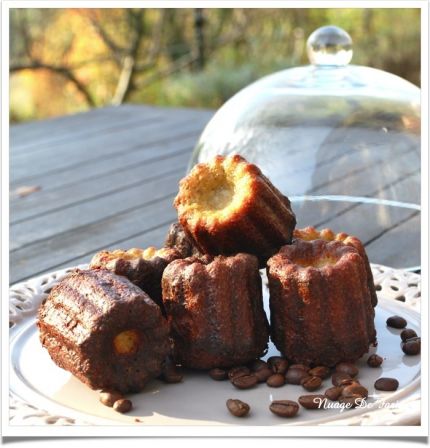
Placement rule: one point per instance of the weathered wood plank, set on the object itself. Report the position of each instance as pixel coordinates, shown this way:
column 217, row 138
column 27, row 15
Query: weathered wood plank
column 104, row 123
column 47, row 201
column 109, row 164
column 400, row 246
column 47, row 131
column 155, row 237
column 369, row 181
column 76, row 216
column 295, row 181
column 97, row 147
column 83, row 241
column 323, row 213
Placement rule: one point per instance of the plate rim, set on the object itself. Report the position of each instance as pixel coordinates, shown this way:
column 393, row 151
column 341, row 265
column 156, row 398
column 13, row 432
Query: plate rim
column 25, row 297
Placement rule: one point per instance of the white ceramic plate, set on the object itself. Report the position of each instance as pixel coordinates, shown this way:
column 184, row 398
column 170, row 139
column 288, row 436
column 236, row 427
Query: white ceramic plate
column 42, row 393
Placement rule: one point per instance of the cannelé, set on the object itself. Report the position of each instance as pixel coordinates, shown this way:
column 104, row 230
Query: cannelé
column 104, row 330
column 320, row 304
column 215, row 309
column 143, row 267
column 177, row 239
column 311, row 233
column 227, row 206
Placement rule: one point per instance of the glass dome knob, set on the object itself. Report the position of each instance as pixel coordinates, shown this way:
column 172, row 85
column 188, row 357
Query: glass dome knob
column 330, row 46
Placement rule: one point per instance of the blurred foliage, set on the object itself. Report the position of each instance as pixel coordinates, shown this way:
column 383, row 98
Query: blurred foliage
column 68, row 60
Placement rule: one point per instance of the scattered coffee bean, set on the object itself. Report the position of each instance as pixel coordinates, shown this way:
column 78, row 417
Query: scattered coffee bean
column 313, row 401
column 354, row 389
column 321, row 371
column 311, row 383
column 348, row 368
column 386, row 384
column 300, row 366
column 284, row 408
column 238, row 371
column 122, row 405
column 278, row 364
column 352, row 400
column 396, row 322
column 258, row 365
column 276, row 380
column 338, row 377
column 408, row 333
column 333, row 393
column 108, row 397
column 374, row 360
column 237, row 407
column 411, row 346
column 295, row 376
column 218, row 374
column 263, row 374
column 171, row 375
column 244, row 381
column 347, row 382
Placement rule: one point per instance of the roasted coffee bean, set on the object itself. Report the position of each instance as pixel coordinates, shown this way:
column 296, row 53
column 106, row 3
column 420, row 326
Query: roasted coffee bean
column 396, row 322
column 374, row 360
column 411, row 346
column 284, row 408
column 321, row 371
column 238, row 371
column 258, row 365
column 244, row 381
column 276, row 380
column 347, row 382
column 348, row 368
column 300, row 366
column 218, row 374
column 171, row 375
column 123, row 405
column 294, row 376
column 108, row 397
column 352, row 400
column 386, row 384
column 354, row 389
column 311, row 383
column 237, row 407
column 278, row 364
column 338, row 377
column 408, row 333
column 313, row 401
column 333, row 393
column 263, row 374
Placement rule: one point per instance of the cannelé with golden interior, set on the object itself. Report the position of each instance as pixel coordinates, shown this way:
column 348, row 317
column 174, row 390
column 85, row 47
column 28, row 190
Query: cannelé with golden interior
column 320, row 305
column 227, row 206
column 104, row 330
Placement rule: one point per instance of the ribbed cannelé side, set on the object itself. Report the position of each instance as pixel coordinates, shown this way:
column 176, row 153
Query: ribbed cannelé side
column 228, row 206
column 320, row 305
column 215, row 309
column 104, row 330
column 143, row 267
column 177, row 239
column 310, row 233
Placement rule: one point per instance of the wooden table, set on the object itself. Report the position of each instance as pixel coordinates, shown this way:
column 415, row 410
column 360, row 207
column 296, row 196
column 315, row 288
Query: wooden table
column 107, row 179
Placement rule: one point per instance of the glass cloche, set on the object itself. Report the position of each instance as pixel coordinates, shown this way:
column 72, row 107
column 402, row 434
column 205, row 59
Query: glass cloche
column 341, row 141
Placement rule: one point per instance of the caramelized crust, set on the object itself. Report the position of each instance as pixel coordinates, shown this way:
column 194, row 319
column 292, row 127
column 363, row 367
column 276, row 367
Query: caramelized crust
column 228, row 206
column 104, row 330
column 310, row 234
column 143, row 267
column 215, row 309
column 320, row 305
column 177, row 238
